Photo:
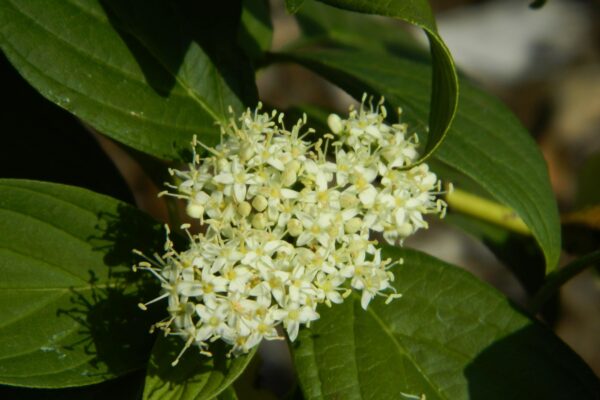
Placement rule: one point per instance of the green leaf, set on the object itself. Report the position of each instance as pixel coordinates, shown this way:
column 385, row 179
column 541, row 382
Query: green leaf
column 588, row 190
column 487, row 145
column 256, row 31
column 444, row 80
column 535, row 4
column 519, row 253
column 67, row 293
column 449, row 337
column 228, row 394
column 324, row 25
column 127, row 387
column 149, row 74
column 195, row 377
column 293, row 6
column 561, row 276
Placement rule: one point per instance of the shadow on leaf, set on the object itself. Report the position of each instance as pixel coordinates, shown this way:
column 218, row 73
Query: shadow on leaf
column 112, row 331
column 159, row 34
column 195, row 375
column 521, row 366
column 191, row 366
column 56, row 146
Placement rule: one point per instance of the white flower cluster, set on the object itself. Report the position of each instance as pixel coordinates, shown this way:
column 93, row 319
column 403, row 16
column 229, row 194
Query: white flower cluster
column 287, row 225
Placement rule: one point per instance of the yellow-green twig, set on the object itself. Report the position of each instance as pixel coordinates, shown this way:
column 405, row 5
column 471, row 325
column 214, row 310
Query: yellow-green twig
column 487, row 210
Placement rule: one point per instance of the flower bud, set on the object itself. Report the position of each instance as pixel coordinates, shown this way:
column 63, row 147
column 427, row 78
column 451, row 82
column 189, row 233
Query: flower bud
column 288, row 178
column 223, row 164
column 335, row 123
column 259, row 221
column 347, row 200
column 244, row 209
column 260, row 203
column 194, row 210
column 246, row 153
column 353, row 225
column 294, row 227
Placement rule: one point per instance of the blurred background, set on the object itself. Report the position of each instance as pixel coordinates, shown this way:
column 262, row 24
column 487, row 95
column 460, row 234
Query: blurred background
column 543, row 63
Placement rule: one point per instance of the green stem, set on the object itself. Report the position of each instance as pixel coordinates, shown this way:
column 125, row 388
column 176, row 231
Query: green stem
column 487, row 210
column 556, row 279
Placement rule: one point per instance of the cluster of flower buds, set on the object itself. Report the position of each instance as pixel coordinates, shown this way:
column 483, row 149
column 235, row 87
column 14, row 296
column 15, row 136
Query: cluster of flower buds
column 287, row 224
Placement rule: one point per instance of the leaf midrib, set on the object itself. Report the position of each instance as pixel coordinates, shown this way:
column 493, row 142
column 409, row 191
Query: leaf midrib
column 190, row 92
column 184, row 85
column 401, row 349
column 108, row 105
column 62, row 292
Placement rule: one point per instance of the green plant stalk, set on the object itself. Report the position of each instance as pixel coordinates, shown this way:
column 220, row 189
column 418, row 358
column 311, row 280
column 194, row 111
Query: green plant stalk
column 487, row 210
column 556, row 279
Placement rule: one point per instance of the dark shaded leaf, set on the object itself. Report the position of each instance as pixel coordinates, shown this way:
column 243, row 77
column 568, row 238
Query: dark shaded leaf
column 449, row 337
column 588, row 190
column 323, row 25
column 41, row 141
column 519, row 253
column 68, row 297
column 561, row 276
column 149, row 74
column 128, row 387
column 256, row 31
column 293, row 6
column 195, row 377
column 535, row 4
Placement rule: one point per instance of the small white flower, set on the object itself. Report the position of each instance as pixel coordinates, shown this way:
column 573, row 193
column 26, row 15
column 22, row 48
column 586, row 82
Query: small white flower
column 213, row 322
column 293, row 315
column 330, row 287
